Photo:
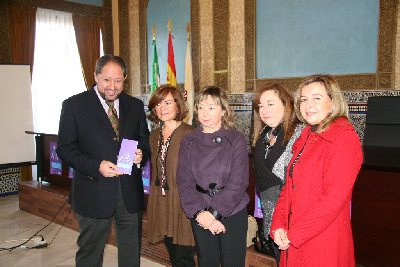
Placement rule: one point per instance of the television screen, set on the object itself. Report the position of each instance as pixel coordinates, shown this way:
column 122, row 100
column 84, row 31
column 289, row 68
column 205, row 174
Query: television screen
column 56, row 172
column 51, row 169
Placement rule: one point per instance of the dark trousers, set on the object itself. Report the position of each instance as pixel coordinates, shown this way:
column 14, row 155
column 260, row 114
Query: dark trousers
column 273, row 250
column 277, row 252
column 228, row 249
column 93, row 235
column 179, row 255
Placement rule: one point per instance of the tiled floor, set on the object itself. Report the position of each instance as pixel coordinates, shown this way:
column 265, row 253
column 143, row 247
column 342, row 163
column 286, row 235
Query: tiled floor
column 17, row 225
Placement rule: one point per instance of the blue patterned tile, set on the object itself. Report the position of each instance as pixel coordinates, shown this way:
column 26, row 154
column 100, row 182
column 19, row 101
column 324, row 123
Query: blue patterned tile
column 241, row 105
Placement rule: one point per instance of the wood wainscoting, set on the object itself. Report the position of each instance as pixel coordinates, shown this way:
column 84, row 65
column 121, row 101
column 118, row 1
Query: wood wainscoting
column 45, row 200
column 376, row 217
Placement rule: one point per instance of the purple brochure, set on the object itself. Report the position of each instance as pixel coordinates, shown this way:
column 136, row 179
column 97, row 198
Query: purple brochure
column 146, row 178
column 126, row 155
column 257, row 207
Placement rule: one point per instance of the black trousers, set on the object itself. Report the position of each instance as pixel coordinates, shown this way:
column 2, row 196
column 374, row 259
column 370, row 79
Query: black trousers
column 228, row 249
column 93, row 235
column 179, row 255
column 277, row 251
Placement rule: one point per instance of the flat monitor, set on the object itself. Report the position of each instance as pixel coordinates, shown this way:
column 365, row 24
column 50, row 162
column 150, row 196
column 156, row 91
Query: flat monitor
column 382, row 133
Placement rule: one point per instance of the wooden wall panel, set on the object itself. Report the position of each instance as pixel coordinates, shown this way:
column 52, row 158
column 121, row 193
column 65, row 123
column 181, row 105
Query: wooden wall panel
column 376, row 218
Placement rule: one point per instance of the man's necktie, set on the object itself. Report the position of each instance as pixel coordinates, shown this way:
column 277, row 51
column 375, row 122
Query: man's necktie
column 113, row 117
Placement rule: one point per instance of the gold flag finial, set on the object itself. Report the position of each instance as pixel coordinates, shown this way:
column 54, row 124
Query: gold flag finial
column 169, row 25
column 154, row 30
column 188, row 30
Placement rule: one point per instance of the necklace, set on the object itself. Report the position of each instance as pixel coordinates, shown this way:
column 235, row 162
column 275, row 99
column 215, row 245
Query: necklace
column 270, row 140
column 162, row 156
column 172, row 131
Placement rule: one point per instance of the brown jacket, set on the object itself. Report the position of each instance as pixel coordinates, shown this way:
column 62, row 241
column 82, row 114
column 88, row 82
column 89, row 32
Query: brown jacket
column 165, row 213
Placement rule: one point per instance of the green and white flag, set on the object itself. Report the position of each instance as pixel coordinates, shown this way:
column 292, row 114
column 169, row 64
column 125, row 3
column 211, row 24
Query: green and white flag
column 155, row 71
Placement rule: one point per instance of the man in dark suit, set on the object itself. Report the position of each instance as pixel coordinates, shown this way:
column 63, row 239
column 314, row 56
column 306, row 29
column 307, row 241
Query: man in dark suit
column 88, row 142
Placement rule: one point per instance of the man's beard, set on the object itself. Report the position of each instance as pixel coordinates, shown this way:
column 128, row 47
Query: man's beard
column 104, row 96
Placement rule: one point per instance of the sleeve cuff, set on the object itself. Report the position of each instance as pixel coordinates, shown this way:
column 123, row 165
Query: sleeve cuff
column 215, row 213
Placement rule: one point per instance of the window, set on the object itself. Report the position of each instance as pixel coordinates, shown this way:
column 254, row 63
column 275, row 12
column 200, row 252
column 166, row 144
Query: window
column 57, row 72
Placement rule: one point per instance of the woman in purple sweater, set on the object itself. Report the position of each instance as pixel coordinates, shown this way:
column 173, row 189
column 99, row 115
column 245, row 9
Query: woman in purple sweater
column 212, row 179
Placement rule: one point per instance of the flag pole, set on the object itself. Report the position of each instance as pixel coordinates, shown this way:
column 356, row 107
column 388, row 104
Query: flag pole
column 169, row 26
column 171, row 71
column 189, row 84
column 154, row 30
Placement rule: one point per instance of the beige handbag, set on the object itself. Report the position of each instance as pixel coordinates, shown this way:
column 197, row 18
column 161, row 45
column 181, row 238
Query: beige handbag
column 251, row 230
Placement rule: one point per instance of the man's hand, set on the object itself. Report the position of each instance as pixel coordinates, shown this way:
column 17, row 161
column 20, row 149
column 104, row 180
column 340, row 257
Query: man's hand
column 109, row 169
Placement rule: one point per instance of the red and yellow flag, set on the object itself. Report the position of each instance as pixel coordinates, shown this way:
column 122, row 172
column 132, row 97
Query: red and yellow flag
column 171, row 71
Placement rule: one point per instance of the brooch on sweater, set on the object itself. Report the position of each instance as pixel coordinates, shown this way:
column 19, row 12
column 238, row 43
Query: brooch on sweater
column 270, row 139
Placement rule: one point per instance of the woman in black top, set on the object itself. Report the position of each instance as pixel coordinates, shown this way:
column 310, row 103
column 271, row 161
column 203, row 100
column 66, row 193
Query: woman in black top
column 276, row 127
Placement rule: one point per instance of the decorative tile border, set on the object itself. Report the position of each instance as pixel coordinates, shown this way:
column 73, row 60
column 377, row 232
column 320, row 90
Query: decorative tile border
column 355, row 97
column 358, row 106
column 357, row 100
column 9, row 179
column 241, row 105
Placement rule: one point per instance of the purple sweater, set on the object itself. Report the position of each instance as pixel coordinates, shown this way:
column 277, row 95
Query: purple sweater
column 203, row 161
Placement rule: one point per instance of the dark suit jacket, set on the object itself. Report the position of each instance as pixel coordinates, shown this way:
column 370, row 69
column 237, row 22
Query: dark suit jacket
column 86, row 137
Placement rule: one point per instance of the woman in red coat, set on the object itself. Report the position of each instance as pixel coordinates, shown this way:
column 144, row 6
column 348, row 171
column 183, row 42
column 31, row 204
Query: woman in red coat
column 311, row 223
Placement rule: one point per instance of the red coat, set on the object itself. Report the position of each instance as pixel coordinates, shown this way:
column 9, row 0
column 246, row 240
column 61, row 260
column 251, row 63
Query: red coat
column 319, row 196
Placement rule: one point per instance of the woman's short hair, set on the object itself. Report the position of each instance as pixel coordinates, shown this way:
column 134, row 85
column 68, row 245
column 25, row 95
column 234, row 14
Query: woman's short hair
column 339, row 108
column 221, row 98
column 160, row 94
column 289, row 117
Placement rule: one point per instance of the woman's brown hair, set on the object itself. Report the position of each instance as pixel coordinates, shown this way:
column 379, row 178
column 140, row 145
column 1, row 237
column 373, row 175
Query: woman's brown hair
column 160, row 94
column 289, row 117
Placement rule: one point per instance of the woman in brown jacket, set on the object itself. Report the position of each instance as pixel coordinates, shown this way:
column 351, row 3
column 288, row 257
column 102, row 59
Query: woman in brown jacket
column 167, row 220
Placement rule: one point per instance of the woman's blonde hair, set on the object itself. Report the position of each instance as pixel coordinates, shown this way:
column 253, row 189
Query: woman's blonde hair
column 339, row 104
column 221, row 98
column 289, row 117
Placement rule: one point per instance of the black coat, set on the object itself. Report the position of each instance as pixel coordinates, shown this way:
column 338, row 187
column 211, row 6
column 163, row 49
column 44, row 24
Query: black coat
column 86, row 137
